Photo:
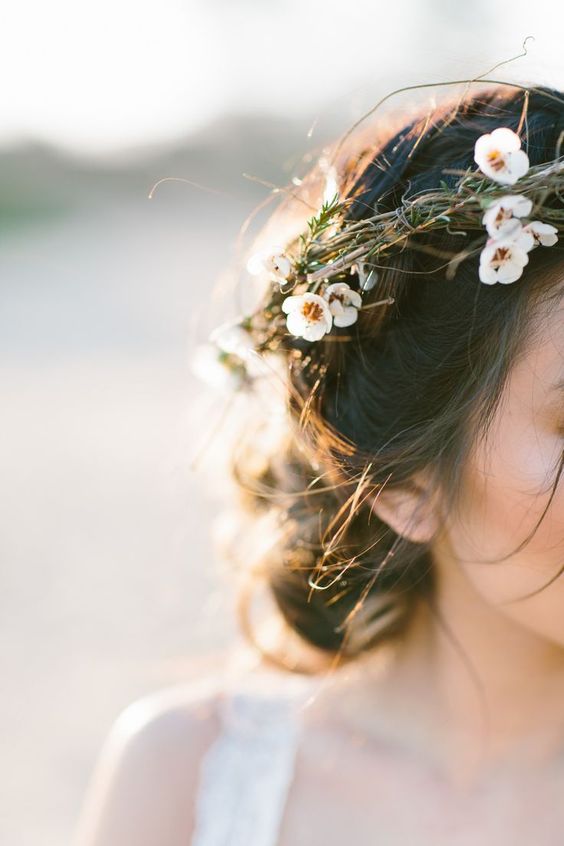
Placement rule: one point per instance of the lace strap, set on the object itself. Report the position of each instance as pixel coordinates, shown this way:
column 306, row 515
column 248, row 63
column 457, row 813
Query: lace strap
column 246, row 772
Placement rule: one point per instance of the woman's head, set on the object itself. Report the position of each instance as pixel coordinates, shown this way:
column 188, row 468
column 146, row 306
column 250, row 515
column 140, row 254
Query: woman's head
column 433, row 434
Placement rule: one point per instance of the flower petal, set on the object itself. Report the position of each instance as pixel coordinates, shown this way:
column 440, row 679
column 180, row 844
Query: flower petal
column 482, row 146
column 295, row 323
column 255, row 264
column 487, row 274
column 524, row 238
column 517, row 166
column 279, row 264
column 290, row 303
column 336, row 307
column 506, row 139
column 522, row 206
column 314, row 331
column 355, row 299
column 232, row 338
column 509, row 272
column 347, row 318
column 543, row 233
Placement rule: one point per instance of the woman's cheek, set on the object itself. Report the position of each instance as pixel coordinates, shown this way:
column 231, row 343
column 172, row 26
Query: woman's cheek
column 509, row 501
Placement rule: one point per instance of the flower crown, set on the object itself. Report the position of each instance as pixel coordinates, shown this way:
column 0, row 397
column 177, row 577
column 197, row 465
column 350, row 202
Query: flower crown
column 304, row 303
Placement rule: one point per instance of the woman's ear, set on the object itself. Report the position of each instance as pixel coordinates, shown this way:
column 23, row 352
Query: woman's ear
column 411, row 511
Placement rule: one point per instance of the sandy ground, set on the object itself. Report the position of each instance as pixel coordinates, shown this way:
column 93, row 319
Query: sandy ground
column 110, row 588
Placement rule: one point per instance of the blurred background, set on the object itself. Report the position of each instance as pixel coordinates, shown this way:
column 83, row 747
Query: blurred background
column 110, row 583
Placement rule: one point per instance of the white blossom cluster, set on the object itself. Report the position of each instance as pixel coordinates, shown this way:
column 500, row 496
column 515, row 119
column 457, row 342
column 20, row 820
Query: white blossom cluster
column 499, row 157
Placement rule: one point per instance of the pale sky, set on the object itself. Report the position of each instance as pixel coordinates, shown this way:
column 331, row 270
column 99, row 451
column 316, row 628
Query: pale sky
column 102, row 76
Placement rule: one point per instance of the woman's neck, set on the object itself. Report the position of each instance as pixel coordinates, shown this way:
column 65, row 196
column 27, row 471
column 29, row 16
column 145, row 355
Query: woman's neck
column 468, row 689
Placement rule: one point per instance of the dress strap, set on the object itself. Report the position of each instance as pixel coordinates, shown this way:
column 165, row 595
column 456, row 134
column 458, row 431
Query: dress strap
column 246, row 772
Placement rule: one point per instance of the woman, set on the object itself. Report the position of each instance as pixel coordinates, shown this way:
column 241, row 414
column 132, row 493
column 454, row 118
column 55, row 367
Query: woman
column 415, row 508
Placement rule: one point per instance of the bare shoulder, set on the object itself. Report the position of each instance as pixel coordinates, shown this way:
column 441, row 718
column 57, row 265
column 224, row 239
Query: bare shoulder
column 172, row 714
column 145, row 778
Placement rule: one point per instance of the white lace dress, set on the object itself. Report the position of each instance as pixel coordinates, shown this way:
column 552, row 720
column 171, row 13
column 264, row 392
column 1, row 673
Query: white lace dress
column 246, row 772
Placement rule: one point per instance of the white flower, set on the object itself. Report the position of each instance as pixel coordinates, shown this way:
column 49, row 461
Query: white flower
column 309, row 315
column 232, row 338
column 501, row 218
column 343, row 303
column 499, row 156
column 256, row 262
column 539, row 233
column 502, row 260
column 206, row 363
column 274, row 261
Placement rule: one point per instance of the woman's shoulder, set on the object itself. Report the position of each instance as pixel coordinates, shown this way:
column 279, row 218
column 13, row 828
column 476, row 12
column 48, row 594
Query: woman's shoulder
column 176, row 710
column 152, row 754
column 148, row 761
column 207, row 699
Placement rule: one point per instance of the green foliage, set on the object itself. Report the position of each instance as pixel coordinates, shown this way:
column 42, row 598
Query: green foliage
column 322, row 220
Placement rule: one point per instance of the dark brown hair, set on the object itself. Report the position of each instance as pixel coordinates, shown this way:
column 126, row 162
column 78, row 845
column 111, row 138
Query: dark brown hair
column 412, row 388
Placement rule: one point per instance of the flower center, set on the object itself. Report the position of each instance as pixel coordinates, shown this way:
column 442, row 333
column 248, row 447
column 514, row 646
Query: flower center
column 500, row 256
column 334, row 296
column 496, row 160
column 503, row 214
column 535, row 235
column 312, row 311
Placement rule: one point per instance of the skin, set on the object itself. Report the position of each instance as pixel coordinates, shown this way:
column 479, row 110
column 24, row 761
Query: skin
column 506, row 713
